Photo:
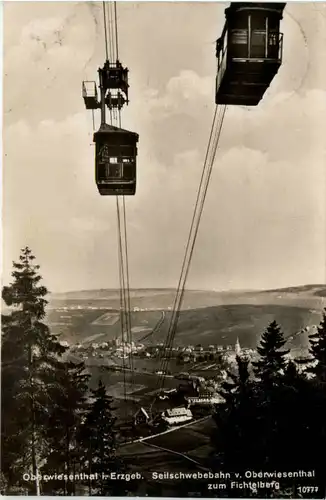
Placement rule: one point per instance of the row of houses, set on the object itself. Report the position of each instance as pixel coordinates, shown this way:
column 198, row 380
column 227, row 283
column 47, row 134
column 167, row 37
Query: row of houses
column 177, row 415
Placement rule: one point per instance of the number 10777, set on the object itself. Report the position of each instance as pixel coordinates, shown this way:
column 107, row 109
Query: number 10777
column 307, row 489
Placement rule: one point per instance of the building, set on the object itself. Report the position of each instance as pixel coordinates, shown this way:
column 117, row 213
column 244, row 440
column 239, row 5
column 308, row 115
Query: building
column 177, row 416
column 204, row 398
column 141, row 416
column 237, row 348
column 64, row 343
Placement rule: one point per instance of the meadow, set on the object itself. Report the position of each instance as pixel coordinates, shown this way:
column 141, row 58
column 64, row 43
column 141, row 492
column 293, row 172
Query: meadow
column 220, row 325
column 98, row 325
column 207, row 317
column 307, row 296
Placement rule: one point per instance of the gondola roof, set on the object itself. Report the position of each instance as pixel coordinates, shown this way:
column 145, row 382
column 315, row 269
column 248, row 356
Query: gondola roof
column 105, row 128
column 237, row 6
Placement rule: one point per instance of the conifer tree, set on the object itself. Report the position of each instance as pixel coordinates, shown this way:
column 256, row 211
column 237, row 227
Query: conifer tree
column 272, row 360
column 98, row 445
column 239, row 381
column 318, row 351
column 277, row 419
column 63, row 426
column 317, row 401
column 236, row 419
column 29, row 357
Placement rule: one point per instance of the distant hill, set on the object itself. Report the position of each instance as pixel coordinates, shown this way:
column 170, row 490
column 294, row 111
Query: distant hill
column 220, row 325
column 310, row 296
column 224, row 324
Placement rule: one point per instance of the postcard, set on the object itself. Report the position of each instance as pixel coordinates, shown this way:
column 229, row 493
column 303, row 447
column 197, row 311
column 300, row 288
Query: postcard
column 163, row 272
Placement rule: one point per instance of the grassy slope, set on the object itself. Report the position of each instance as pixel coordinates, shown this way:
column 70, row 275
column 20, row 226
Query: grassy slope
column 303, row 296
column 207, row 317
column 212, row 325
column 78, row 325
column 224, row 324
column 212, row 318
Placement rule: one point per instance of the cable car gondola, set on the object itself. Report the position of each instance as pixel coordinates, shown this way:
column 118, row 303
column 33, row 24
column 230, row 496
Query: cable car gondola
column 249, row 52
column 115, row 160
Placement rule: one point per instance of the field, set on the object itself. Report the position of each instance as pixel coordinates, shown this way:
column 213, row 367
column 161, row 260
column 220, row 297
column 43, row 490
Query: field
column 140, row 389
column 307, row 296
column 190, row 447
column 206, row 318
column 212, row 325
column 187, row 439
column 143, row 383
column 219, row 324
column 222, row 325
column 107, row 319
column 95, row 325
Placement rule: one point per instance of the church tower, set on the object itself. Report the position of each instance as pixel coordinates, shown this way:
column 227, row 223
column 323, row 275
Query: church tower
column 237, row 348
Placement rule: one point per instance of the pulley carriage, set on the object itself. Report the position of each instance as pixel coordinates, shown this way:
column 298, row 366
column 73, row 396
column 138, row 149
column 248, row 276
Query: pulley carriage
column 249, row 52
column 115, row 76
column 115, row 148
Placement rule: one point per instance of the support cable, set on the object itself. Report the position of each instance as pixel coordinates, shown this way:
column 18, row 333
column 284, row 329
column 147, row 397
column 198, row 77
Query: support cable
column 123, row 322
column 122, row 301
column 199, row 191
column 201, row 196
column 111, row 37
column 174, row 308
column 105, row 32
column 116, row 30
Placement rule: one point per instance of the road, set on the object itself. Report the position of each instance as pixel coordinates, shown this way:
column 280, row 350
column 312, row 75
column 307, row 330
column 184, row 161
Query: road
column 188, row 446
column 156, row 328
column 173, row 429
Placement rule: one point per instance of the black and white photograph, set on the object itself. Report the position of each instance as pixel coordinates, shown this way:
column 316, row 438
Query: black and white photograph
column 163, row 313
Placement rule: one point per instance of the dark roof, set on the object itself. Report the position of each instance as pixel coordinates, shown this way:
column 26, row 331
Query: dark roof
column 104, row 129
column 236, row 6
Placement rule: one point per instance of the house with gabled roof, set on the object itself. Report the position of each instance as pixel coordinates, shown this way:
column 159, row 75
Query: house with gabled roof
column 175, row 416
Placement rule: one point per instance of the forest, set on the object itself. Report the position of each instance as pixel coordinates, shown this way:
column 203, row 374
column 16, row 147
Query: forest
column 53, row 425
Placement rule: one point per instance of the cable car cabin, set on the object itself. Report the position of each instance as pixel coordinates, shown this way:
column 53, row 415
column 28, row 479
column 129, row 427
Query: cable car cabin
column 249, row 52
column 115, row 160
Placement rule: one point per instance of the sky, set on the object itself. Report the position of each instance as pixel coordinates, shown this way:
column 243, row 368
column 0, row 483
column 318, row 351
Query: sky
column 263, row 224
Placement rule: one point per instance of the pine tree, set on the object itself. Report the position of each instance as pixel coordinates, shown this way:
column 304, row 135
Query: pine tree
column 236, row 420
column 317, row 399
column 239, row 381
column 318, row 351
column 29, row 356
column 269, row 371
column 98, row 444
column 276, row 420
column 63, row 426
column 272, row 360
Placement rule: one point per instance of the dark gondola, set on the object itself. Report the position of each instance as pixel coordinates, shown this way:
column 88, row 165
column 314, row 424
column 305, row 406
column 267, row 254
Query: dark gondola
column 115, row 160
column 249, row 52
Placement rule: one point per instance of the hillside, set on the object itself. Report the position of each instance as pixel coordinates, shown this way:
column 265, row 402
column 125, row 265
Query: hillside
column 224, row 324
column 310, row 296
column 207, row 317
column 211, row 325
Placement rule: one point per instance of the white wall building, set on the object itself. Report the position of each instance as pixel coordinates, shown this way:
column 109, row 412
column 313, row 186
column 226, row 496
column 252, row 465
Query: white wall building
column 177, row 416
